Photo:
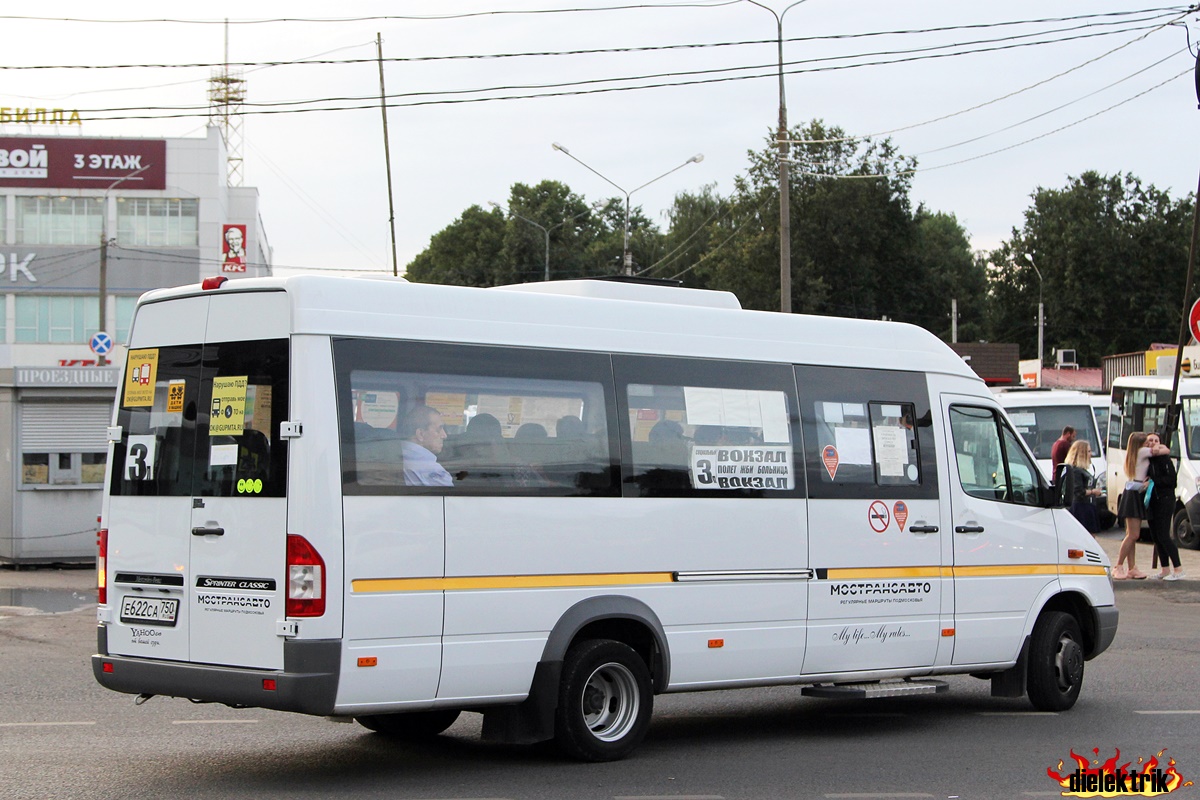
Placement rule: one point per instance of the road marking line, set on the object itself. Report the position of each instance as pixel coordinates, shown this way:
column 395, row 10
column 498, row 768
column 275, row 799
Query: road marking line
column 877, row 794
column 1017, row 713
column 668, row 797
column 1168, row 712
column 40, row 724
column 851, row 715
column 214, row 722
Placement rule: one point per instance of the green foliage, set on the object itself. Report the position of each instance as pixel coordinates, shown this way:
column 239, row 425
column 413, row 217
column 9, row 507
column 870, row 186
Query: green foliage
column 857, row 247
column 1113, row 258
column 1112, row 252
column 463, row 254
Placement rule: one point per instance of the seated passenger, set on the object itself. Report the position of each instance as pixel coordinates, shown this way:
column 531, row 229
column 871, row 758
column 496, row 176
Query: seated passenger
column 570, row 428
column 709, row 435
column 424, row 434
column 378, row 456
column 479, row 451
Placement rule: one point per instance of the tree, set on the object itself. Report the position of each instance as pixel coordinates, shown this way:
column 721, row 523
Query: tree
column 508, row 245
column 858, row 249
column 465, row 253
column 1113, row 257
column 951, row 272
column 573, row 229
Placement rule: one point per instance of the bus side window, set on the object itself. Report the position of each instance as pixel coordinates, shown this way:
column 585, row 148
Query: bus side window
column 867, row 432
column 991, row 463
column 515, row 421
column 707, row 428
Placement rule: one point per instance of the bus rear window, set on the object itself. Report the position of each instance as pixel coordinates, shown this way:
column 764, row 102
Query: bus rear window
column 203, row 421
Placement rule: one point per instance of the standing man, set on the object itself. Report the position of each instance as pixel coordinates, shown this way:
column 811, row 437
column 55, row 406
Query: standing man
column 424, row 434
column 1058, row 453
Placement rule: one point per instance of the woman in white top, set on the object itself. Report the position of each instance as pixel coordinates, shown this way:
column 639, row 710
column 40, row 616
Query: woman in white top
column 1132, row 507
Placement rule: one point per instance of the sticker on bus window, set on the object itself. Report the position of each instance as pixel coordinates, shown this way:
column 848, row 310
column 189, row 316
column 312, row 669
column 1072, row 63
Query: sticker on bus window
column 141, row 368
column 175, row 392
column 228, row 416
column 742, row 467
column 139, row 458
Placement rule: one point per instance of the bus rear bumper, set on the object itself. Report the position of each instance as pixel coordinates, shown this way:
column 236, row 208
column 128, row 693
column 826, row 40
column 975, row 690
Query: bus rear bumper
column 307, row 684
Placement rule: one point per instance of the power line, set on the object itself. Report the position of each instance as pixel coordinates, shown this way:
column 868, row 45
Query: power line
column 317, row 61
column 356, row 103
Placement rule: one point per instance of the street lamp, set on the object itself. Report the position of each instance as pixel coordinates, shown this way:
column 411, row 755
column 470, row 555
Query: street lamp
column 785, row 217
column 1041, row 313
column 545, row 231
column 628, row 256
column 103, row 321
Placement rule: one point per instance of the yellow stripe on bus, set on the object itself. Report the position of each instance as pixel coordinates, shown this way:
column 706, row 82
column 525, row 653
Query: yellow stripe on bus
column 507, row 582
column 367, row 585
column 852, row 574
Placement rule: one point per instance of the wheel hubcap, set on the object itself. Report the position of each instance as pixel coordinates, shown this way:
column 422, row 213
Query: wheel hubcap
column 610, row 702
column 1068, row 663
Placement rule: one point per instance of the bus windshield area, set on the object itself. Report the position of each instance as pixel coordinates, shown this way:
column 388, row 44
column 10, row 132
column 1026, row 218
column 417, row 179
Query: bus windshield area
column 1191, row 426
column 1040, row 426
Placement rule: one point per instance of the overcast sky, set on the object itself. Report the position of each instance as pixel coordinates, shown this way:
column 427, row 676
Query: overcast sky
column 1026, row 105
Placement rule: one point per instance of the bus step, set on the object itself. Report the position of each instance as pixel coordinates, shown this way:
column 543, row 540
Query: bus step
column 870, row 691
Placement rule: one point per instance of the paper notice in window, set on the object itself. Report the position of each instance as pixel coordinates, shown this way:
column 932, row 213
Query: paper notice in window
column 853, row 445
column 891, row 451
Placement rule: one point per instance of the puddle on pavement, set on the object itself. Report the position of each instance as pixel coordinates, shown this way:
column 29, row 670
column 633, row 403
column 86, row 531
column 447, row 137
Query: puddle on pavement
column 47, row 601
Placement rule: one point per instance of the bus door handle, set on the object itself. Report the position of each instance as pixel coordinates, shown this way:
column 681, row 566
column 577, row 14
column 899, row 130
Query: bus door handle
column 208, row 531
column 968, row 529
column 923, row 529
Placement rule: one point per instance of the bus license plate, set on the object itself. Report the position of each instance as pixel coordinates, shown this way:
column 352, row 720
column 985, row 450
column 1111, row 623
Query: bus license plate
column 150, row 610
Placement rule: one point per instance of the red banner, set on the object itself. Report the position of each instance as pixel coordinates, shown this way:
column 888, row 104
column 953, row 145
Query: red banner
column 55, row 162
column 233, row 248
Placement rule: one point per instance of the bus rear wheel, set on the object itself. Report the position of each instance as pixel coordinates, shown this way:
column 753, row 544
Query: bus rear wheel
column 414, row 725
column 605, row 701
column 1056, row 659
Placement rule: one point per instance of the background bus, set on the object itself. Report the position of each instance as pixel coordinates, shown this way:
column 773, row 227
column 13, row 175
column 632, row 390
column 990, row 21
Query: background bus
column 1040, row 415
column 1140, row 403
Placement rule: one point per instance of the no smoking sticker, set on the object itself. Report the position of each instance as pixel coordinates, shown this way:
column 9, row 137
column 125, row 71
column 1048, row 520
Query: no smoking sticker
column 879, row 516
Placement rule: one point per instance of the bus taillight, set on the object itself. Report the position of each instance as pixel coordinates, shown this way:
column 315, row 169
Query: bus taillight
column 305, row 579
column 102, row 566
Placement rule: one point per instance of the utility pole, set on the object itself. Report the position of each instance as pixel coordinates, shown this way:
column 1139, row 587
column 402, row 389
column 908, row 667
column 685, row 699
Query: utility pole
column 387, row 153
column 1174, row 410
column 103, row 321
column 954, row 320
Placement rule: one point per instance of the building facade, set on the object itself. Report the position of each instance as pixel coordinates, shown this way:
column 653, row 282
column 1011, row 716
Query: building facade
column 88, row 224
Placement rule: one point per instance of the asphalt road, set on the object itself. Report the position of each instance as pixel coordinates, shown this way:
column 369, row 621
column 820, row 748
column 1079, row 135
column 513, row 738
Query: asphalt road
column 63, row 736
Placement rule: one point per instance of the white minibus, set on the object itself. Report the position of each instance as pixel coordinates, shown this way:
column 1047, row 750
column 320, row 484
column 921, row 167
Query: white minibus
column 1141, row 403
column 1040, row 415
column 394, row 502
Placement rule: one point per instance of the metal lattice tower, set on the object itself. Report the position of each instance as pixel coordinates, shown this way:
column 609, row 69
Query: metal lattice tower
column 226, row 93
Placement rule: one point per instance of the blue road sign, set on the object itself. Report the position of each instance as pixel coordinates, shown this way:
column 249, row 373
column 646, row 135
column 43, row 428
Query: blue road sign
column 101, row 344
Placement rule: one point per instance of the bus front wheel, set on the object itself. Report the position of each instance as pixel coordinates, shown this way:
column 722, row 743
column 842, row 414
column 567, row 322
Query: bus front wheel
column 1056, row 659
column 1185, row 534
column 605, row 701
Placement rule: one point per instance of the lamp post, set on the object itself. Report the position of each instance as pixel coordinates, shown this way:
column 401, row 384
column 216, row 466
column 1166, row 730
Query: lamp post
column 1041, row 313
column 103, row 321
column 628, row 256
column 545, row 231
column 785, row 215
